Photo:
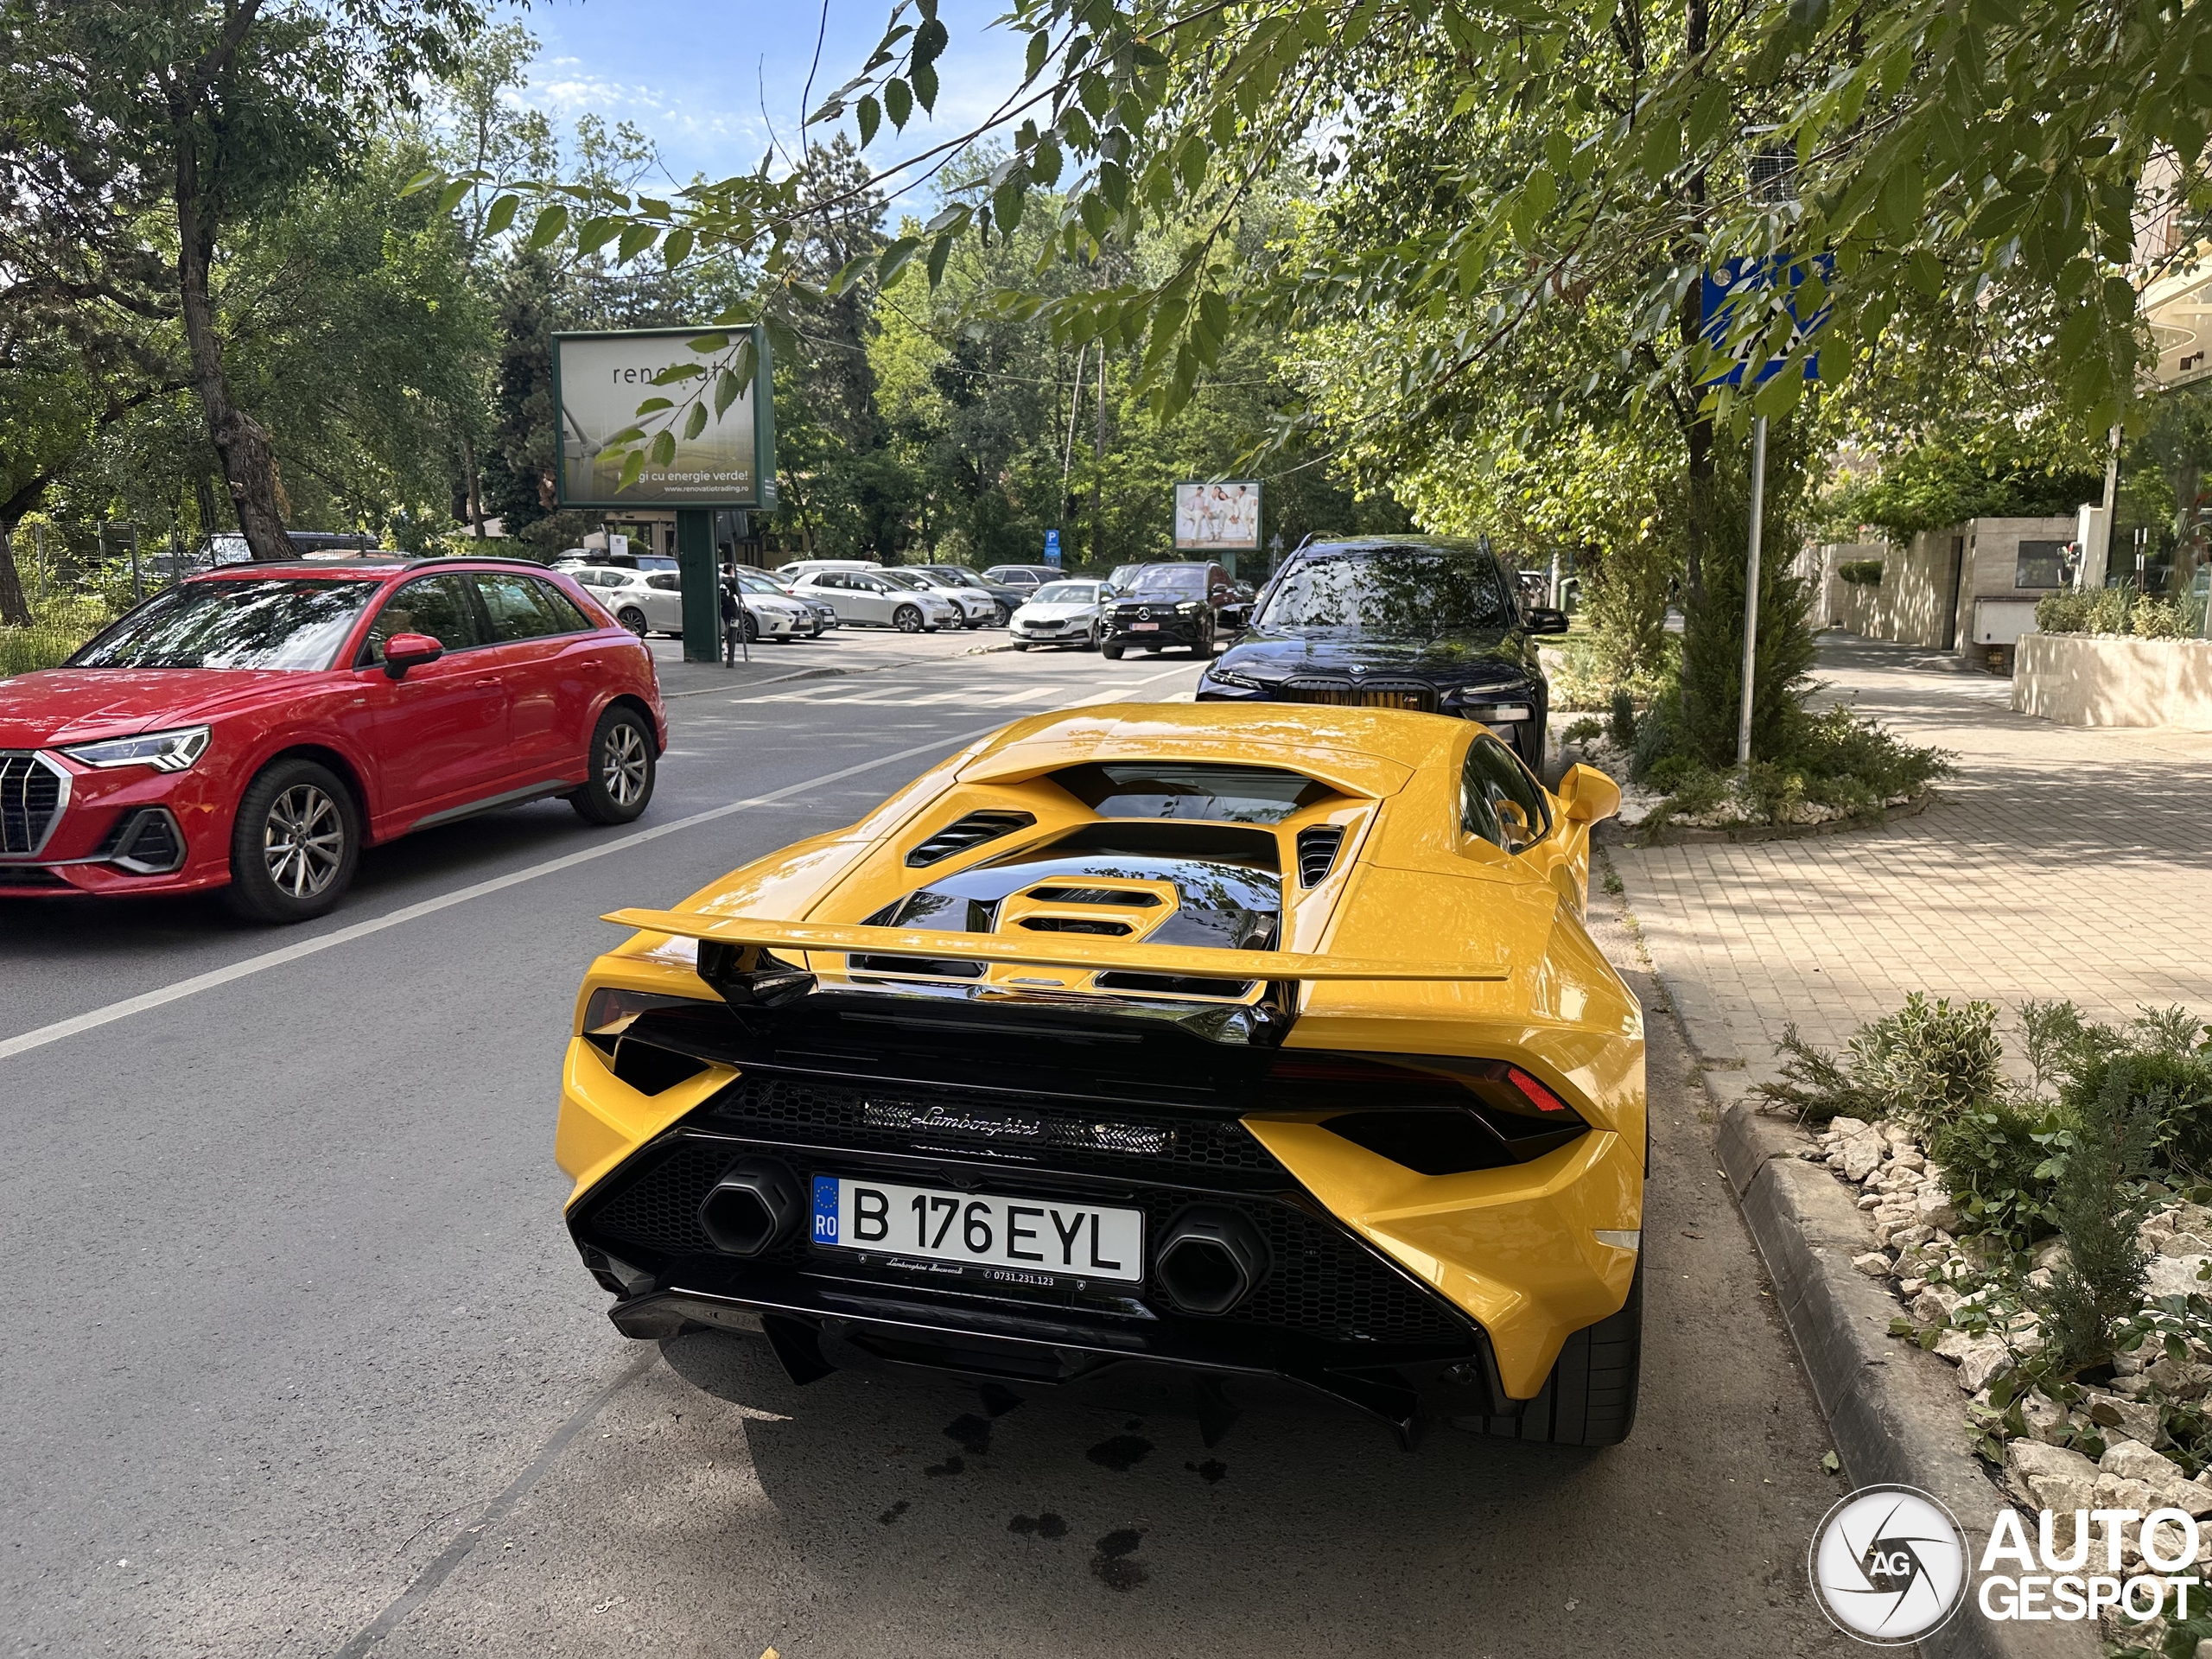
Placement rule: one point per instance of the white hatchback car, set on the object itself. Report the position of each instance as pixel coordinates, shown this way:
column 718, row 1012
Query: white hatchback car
column 1062, row 614
column 865, row 598
column 652, row 601
column 977, row 608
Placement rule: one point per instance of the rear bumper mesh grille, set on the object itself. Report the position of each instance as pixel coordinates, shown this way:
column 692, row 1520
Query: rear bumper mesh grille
column 1321, row 1283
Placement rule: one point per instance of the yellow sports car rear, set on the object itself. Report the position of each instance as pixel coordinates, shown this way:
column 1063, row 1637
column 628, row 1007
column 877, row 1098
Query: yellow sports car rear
column 1260, row 1040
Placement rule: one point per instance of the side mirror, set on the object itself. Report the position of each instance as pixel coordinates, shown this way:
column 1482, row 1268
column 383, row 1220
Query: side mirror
column 1544, row 620
column 1588, row 795
column 405, row 651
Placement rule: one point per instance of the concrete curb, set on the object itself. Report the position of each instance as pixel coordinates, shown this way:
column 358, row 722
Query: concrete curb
column 1895, row 1412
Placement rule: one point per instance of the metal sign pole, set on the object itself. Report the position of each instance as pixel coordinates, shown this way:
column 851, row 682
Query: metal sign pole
column 1752, row 588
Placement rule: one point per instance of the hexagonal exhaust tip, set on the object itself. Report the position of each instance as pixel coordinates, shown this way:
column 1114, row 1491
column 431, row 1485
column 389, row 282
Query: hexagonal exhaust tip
column 1209, row 1259
column 753, row 1206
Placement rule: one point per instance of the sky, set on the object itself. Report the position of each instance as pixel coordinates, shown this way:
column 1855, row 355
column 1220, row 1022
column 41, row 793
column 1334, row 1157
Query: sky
column 711, row 83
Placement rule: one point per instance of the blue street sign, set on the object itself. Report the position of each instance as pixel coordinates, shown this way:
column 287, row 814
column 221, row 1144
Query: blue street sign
column 1737, row 280
column 1053, row 548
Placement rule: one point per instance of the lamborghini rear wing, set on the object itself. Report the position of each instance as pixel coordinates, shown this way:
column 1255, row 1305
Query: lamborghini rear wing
column 1045, row 950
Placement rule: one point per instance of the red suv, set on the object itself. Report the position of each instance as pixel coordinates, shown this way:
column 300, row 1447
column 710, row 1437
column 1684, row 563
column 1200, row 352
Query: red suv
column 254, row 728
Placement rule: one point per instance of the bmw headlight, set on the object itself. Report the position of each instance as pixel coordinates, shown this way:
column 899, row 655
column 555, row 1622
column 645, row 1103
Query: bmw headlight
column 1229, row 677
column 164, row 751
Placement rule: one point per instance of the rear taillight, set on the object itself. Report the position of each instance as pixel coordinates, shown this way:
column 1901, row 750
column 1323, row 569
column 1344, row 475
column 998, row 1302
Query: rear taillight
column 1539, row 1096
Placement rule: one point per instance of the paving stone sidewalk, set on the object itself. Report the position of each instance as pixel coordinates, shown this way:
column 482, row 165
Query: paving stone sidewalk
column 2057, row 862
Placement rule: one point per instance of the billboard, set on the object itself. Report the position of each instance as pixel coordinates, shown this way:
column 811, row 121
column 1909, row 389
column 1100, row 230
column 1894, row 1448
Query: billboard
column 1222, row 517
column 684, row 399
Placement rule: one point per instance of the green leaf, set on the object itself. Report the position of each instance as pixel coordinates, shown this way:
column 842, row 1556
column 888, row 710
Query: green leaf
column 596, row 232
column 1662, row 148
column 1040, row 48
column 939, row 251
column 893, row 260
column 422, row 180
column 676, row 372
column 502, row 215
column 663, row 448
column 449, row 198
column 652, row 404
column 897, row 102
column 551, row 221
column 929, row 43
column 677, row 248
column 707, row 344
column 628, row 435
column 631, row 468
column 636, row 239
column 924, row 77
column 727, row 388
column 695, row 423
column 871, row 117
column 1926, row 271
column 1707, row 116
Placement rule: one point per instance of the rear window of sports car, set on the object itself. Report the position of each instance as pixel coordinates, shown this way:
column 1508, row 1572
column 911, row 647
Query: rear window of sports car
column 1185, row 789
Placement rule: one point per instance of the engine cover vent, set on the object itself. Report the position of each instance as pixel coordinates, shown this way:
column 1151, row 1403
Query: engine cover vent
column 963, row 833
column 1317, row 853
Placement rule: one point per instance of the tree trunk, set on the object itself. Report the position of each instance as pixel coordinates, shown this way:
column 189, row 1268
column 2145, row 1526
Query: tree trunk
column 475, row 486
column 15, row 609
column 1697, row 503
column 241, row 443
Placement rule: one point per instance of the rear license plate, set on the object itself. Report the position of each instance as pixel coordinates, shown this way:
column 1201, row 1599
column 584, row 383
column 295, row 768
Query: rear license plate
column 1146, row 627
column 1036, row 1234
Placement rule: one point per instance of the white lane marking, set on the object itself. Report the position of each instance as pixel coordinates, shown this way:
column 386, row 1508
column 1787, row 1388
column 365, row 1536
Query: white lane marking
column 95, row 1018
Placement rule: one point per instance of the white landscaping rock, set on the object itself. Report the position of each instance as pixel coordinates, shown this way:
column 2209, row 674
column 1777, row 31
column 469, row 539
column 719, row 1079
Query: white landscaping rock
column 1933, row 1201
column 1980, row 1359
column 1862, row 1156
column 1935, row 1305
column 2132, row 1460
column 2136, row 1419
column 2054, row 1476
column 1874, row 1264
column 2186, row 1244
column 2178, row 1275
column 2179, row 1379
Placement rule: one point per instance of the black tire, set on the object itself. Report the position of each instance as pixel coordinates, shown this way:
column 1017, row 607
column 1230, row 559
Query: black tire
column 1021, row 644
column 907, row 619
column 1204, row 651
column 623, row 768
column 1590, row 1397
column 294, row 844
column 634, row 620
column 748, row 628
column 1092, row 640
column 1110, row 650
column 974, row 622
column 1000, row 616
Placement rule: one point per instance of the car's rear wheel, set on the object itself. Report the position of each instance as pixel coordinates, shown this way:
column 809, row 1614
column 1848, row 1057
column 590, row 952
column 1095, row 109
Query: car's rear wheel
column 294, row 845
column 1590, row 1397
column 907, row 619
column 622, row 769
column 632, row 619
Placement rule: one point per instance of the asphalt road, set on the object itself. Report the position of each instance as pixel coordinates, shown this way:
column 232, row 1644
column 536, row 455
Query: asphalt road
column 301, row 1362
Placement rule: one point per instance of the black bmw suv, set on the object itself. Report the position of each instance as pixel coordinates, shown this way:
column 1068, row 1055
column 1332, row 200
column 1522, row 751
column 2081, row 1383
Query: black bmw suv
column 1396, row 622
column 1163, row 605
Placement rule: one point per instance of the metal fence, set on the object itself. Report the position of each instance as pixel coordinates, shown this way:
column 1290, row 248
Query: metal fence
column 76, row 579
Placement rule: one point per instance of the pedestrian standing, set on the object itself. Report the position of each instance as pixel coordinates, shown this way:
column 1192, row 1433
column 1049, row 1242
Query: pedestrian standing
column 732, row 622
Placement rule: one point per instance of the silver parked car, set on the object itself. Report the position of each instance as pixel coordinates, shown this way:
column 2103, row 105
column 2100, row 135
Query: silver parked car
column 872, row 599
column 1062, row 614
column 652, row 601
column 760, row 583
column 977, row 608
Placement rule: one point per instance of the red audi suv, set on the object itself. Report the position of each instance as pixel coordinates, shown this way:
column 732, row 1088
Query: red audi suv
column 253, row 728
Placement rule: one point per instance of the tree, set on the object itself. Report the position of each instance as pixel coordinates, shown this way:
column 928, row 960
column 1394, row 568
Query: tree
column 168, row 129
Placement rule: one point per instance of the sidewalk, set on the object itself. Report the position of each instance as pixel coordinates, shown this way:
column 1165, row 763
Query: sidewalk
column 2057, row 862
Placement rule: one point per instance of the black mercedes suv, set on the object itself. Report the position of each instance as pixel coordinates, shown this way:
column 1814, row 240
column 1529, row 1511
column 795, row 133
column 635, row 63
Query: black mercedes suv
column 1163, row 605
column 1396, row 622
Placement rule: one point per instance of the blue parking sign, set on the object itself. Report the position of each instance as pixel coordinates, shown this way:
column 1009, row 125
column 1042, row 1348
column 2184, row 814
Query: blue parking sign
column 1053, row 548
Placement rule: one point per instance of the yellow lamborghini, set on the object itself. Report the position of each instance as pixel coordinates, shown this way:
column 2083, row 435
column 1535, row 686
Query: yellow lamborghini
column 1243, row 1041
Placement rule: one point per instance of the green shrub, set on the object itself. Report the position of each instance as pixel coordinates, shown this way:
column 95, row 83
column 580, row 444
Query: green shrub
column 1814, row 1086
column 2178, row 1086
column 1999, row 1162
column 1620, row 726
column 2058, row 1043
column 1862, row 572
column 2105, row 610
column 2153, row 618
column 1930, row 1062
column 2066, row 611
column 2097, row 1201
column 1582, row 730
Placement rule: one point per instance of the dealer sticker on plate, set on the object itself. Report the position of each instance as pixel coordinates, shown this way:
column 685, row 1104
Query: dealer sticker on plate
column 1039, row 1234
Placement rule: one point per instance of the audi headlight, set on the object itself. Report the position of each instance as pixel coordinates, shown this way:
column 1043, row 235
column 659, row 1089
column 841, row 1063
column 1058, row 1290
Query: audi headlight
column 164, row 751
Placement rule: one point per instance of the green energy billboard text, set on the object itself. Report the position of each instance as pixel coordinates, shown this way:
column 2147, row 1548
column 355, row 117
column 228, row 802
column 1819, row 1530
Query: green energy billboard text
column 666, row 417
